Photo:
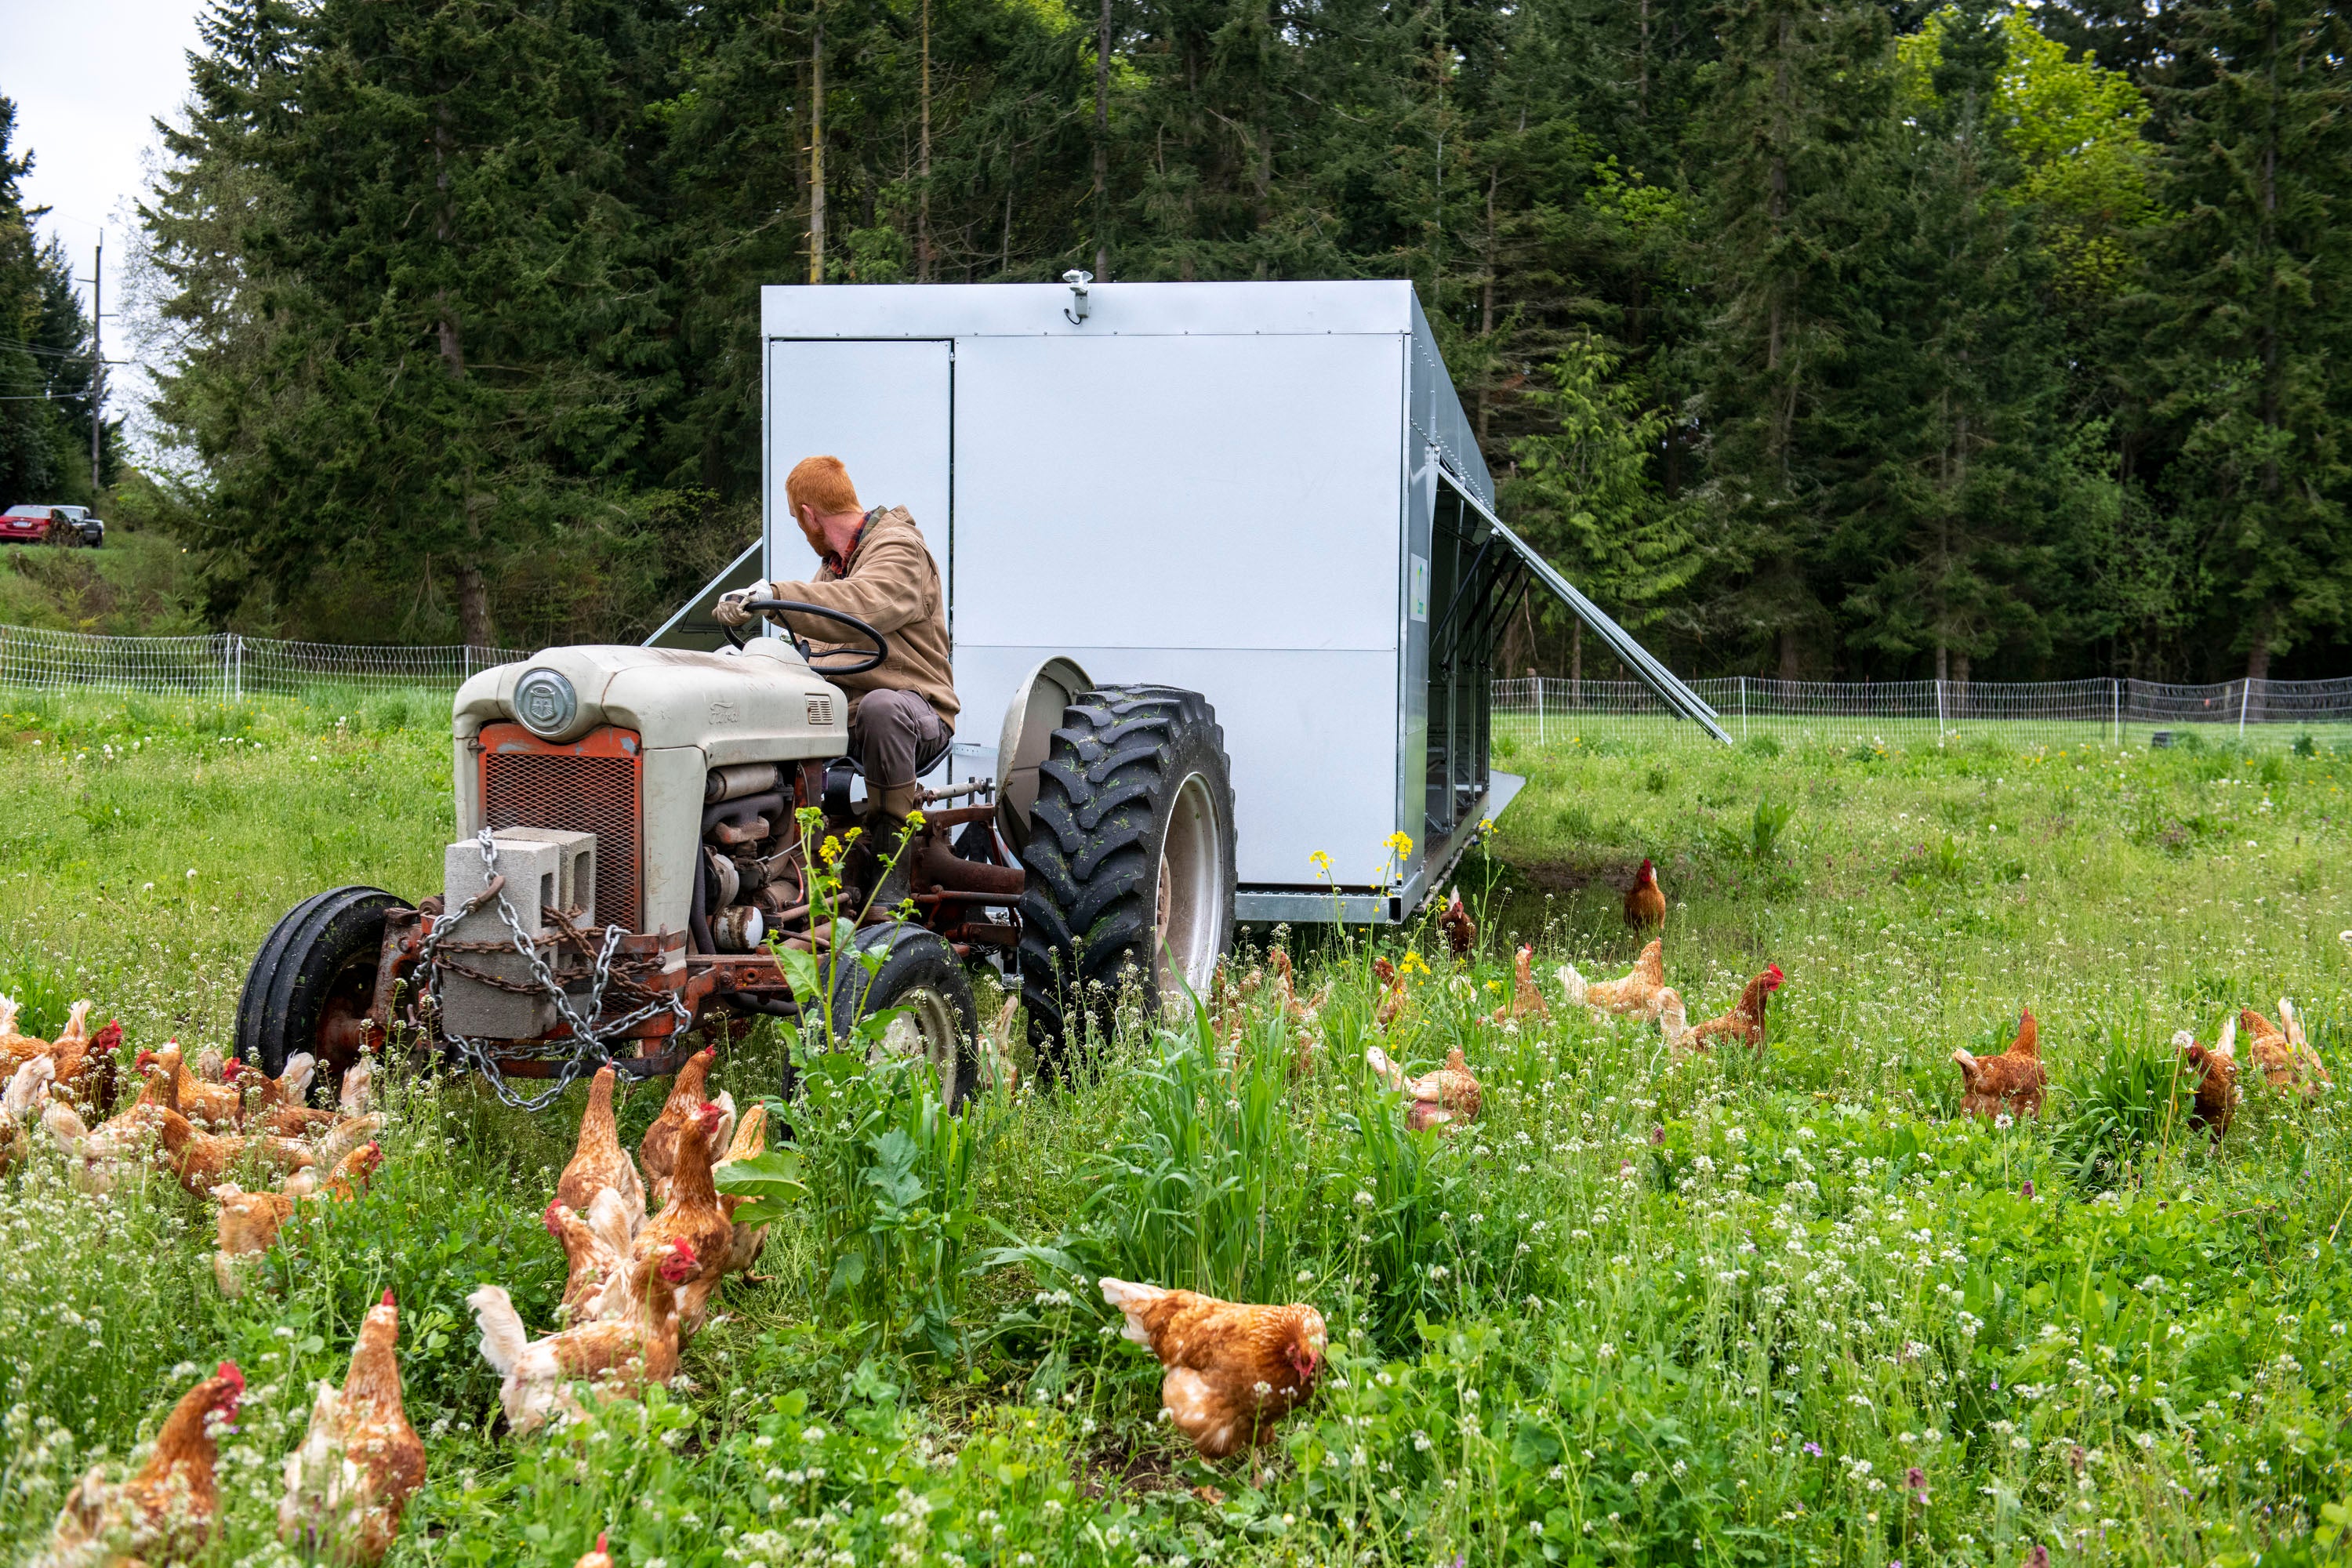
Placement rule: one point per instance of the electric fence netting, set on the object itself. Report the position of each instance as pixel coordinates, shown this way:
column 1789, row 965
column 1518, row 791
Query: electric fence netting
column 1545, row 712
column 1551, row 712
column 228, row 666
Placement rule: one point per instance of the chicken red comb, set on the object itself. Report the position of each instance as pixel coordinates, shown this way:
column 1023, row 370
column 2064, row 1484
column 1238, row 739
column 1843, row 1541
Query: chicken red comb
column 230, row 1068
column 600, row 1541
column 387, row 1301
column 108, row 1037
column 1773, row 971
column 229, row 1375
column 144, row 1060
column 684, row 1250
column 554, row 1225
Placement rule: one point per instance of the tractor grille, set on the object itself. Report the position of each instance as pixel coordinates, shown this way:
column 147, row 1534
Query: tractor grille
column 561, row 789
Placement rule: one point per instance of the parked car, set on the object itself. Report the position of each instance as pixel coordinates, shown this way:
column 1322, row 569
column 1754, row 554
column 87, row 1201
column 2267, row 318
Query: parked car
column 93, row 530
column 39, row 523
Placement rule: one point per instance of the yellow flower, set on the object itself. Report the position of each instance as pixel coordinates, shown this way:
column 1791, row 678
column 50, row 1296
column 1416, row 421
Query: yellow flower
column 915, row 820
column 1399, row 845
column 830, row 850
column 1413, row 964
column 1321, row 862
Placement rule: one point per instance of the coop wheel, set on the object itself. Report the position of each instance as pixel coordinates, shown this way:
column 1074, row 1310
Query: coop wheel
column 313, row 979
column 921, row 975
column 1130, row 861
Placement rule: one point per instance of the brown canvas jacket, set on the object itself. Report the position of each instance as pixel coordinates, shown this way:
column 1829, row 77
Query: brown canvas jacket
column 893, row 584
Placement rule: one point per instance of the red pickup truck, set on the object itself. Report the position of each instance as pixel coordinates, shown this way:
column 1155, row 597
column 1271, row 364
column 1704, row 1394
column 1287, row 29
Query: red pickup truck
column 37, row 523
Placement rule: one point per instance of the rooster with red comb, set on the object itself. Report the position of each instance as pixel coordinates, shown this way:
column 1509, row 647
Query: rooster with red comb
column 1645, row 901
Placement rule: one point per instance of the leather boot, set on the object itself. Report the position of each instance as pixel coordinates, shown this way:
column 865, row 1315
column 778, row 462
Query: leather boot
column 884, row 828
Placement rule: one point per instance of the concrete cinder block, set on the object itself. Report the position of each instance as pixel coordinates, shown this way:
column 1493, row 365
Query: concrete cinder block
column 540, row 866
column 575, row 889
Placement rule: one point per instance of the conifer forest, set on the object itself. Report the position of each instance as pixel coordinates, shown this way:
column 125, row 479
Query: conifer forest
column 1851, row 339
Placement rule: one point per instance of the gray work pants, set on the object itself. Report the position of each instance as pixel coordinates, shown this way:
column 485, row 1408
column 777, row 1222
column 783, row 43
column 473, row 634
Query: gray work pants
column 887, row 732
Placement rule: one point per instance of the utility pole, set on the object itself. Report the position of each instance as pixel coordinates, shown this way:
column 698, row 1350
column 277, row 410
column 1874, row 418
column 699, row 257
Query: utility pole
column 923, row 171
column 96, row 356
column 1102, row 145
column 817, row 144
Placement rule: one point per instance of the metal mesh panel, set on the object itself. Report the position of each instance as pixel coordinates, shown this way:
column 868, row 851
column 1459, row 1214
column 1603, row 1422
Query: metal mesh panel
column 579, row 794
column 1551, row 711
column 228, row 666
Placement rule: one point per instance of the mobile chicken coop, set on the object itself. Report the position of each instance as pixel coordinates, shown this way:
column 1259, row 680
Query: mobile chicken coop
column 1264, row 492
column 1224, row 558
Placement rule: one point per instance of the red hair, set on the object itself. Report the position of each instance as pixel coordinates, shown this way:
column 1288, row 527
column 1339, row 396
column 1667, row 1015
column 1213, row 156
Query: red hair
column 822, row 483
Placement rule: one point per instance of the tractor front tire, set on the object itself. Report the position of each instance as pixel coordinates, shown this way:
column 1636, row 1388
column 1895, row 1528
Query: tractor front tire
column 316, row 969
column 1130, row 863
column 939, row 1022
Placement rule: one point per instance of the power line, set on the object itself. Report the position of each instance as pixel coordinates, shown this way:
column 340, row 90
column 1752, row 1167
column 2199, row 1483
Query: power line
column 37, row 348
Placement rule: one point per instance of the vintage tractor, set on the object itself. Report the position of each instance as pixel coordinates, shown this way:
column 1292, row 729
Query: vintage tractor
column 631, row 843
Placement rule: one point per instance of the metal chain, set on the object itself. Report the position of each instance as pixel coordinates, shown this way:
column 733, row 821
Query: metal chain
column 589, row 1049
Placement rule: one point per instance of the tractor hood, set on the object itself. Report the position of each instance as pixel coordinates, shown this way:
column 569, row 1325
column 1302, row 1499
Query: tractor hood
column 762, row 703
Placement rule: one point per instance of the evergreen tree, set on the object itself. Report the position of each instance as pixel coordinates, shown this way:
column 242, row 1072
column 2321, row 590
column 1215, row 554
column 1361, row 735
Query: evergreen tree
column 2250, row 309
column 1798, row 128
column 1584, row 492
column 1949, row 381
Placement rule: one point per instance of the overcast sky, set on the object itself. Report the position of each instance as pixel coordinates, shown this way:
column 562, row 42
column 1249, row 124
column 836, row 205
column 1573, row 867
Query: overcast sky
column 89, row 78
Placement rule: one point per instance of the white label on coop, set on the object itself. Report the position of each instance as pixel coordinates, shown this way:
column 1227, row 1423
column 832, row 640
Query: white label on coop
column 1418, row 599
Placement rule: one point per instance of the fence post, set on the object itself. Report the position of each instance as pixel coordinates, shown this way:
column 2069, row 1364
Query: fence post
column 1743, row 708
column 236, row 667
column 1939, row 712
column 2245, row 692
column 1539, row 716
column 465, row 664
column 2116, row 696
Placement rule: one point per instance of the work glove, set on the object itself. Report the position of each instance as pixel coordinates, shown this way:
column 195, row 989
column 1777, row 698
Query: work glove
column 734, row 607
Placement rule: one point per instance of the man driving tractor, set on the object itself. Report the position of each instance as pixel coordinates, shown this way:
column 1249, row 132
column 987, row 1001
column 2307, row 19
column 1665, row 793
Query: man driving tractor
column 875, row 566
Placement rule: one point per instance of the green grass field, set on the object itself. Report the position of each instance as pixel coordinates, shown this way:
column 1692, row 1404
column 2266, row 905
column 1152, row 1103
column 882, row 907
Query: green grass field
column 1714, row 1311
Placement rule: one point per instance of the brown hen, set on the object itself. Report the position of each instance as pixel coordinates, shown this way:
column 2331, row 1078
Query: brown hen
column 2213, row 1072
column 2012, row 1081
column 1233, row 1371
column 165, row 1511
column 204, row 1159
column 693, row 1216
column 1744, row 1024
column 1527, row 1000
column 348, row 1484
column 598, row 1161
column 658, row 1151
column 1460, row 930
column 1639, row 994
column 2288, row 1063
column 618, row 1357
column 249, row 1223
column 1434, row 1099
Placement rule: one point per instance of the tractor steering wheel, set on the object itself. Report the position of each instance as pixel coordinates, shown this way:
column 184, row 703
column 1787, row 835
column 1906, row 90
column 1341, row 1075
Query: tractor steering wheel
column 866, row 661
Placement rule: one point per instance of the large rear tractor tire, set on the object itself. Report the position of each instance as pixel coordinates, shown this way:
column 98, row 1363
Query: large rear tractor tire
column 312, row 981
column 1131, row 862
column 939, row 1022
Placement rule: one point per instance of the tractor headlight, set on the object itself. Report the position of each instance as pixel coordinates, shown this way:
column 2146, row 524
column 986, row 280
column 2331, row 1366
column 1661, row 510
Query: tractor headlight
column 545, row 702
